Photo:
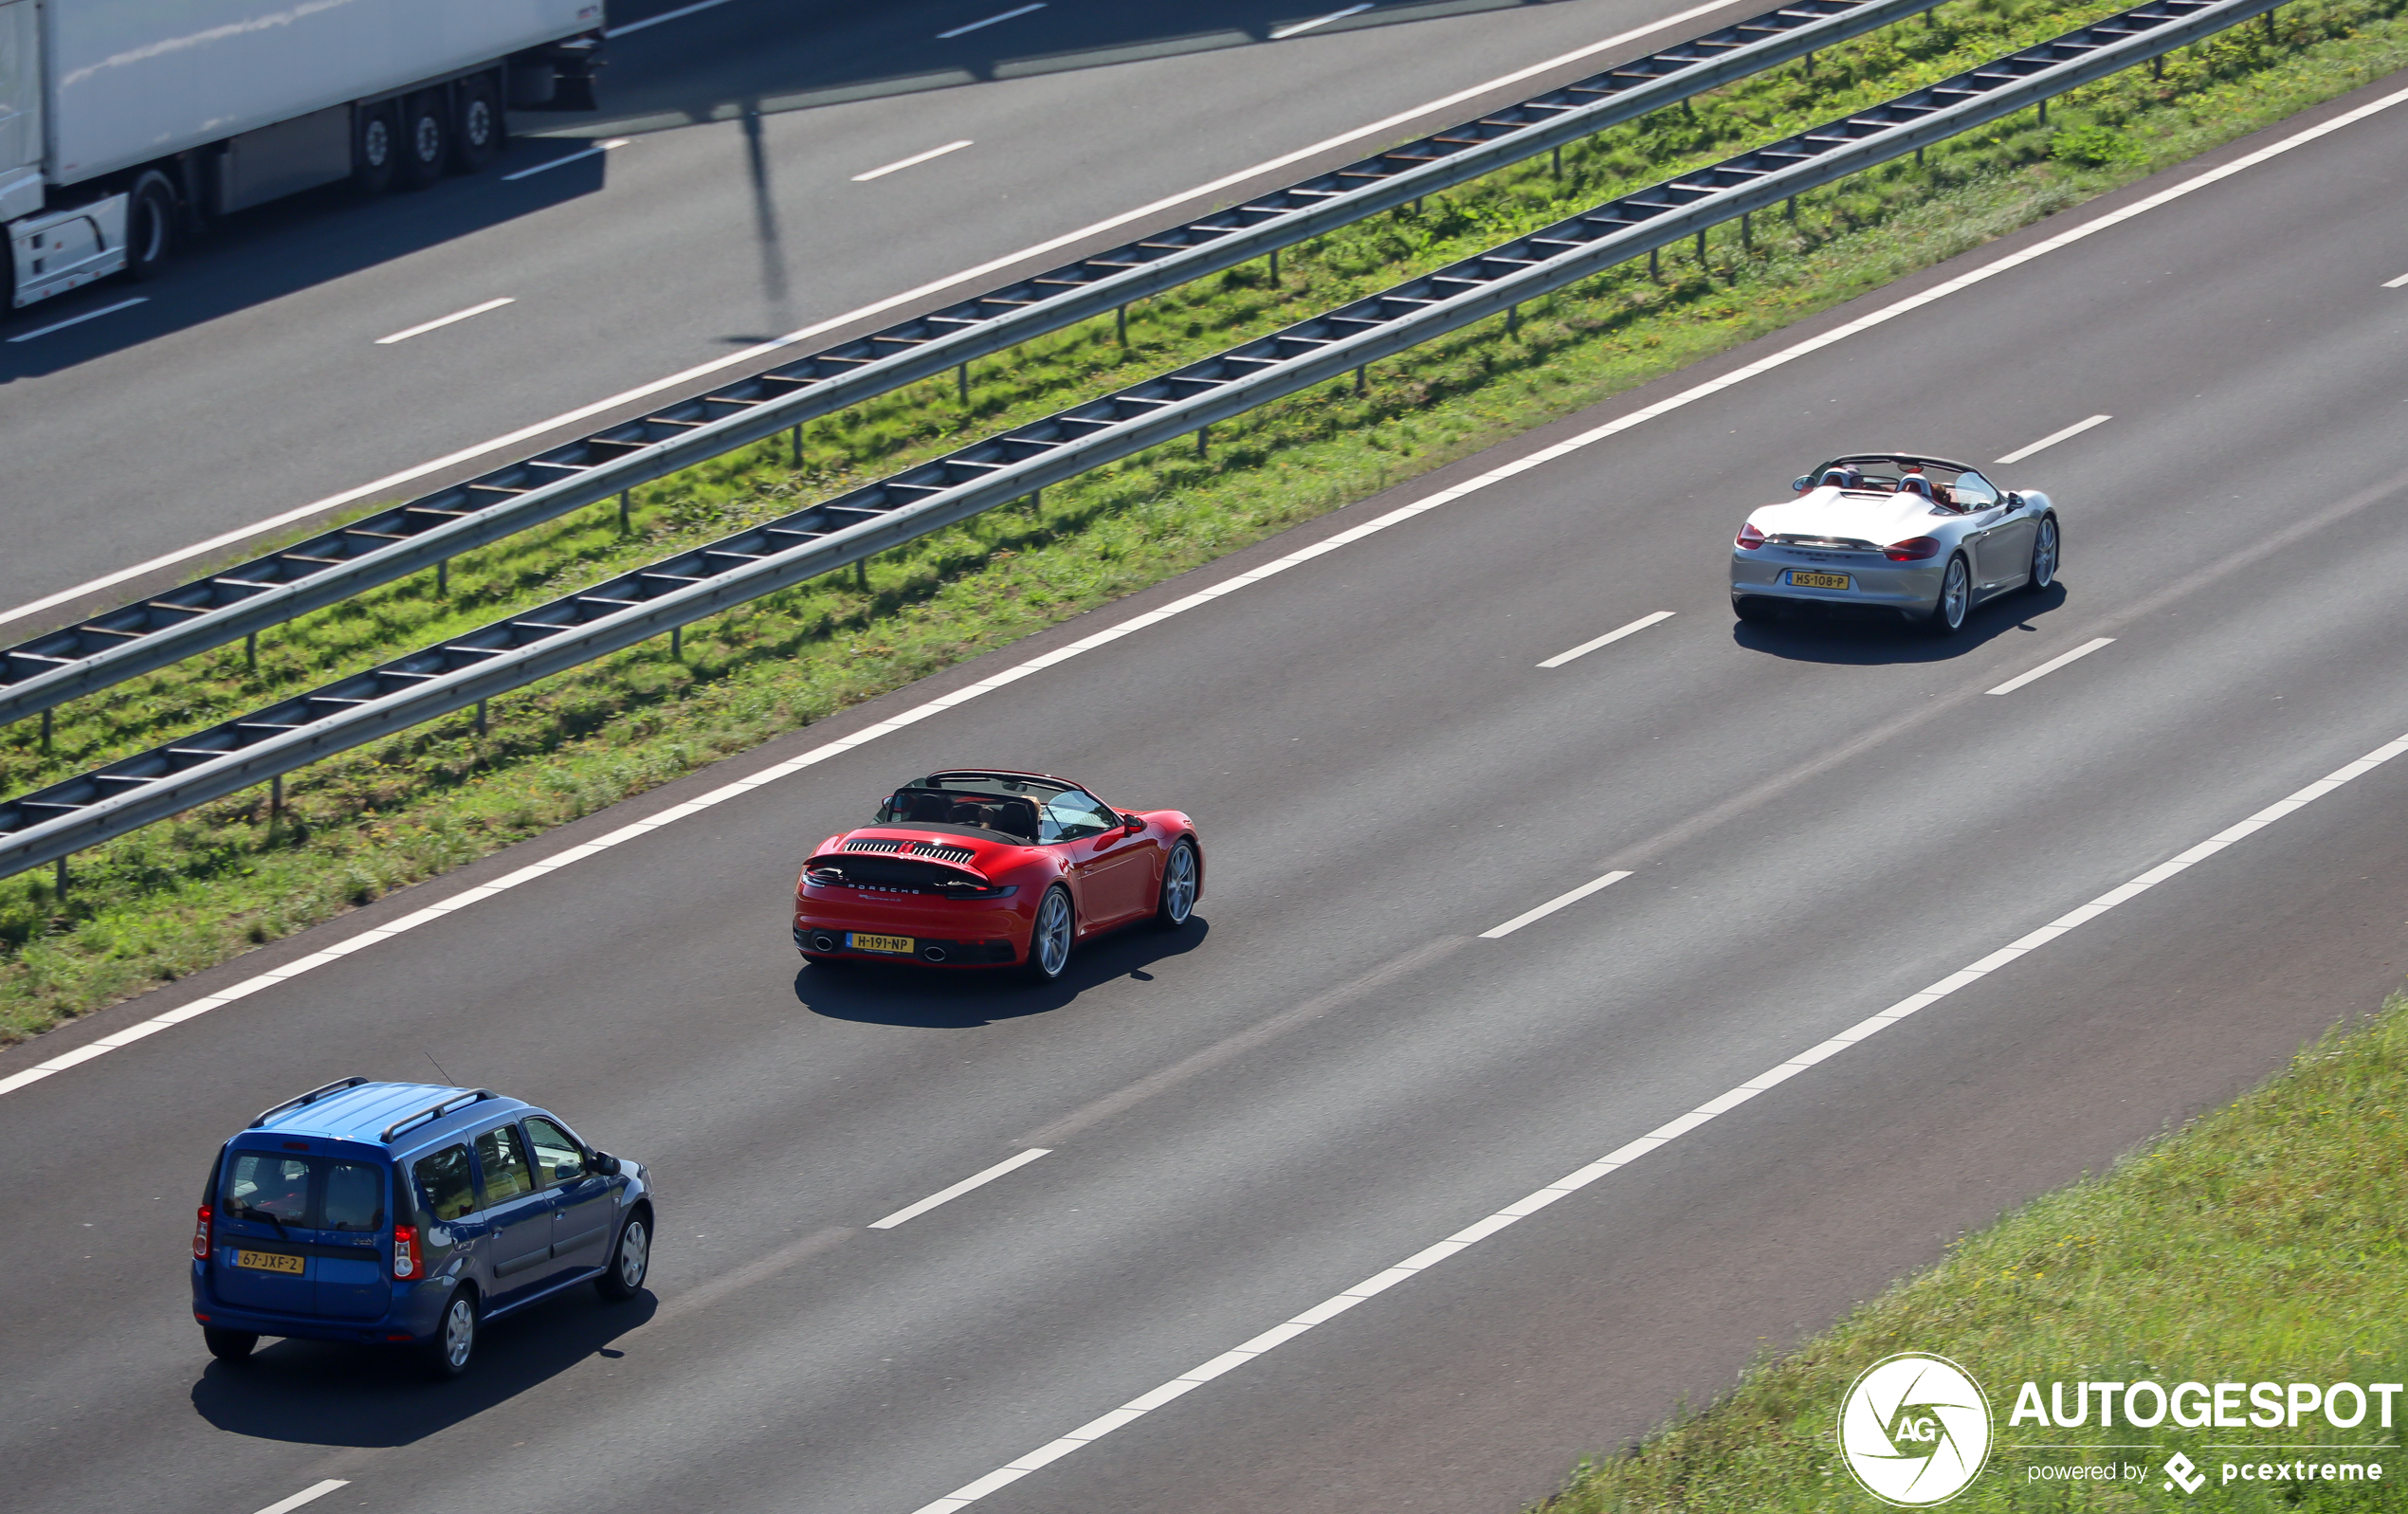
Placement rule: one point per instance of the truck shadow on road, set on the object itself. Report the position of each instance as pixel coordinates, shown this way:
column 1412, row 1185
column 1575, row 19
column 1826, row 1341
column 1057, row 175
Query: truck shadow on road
column 316, row 1393
column 929, row 999
column 1867, row 640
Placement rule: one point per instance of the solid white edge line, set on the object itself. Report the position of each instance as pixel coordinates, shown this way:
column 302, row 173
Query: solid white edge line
column 2054, row 664
column 1662, row 1135
column 1559, row 902
column 442, row 322
column 78, row 321
column 596, row 150
column 665, row 15
column 913, row 161
column 1614, row 635
column 1207, row 595
column 949, row 1195
column 2395, row 284
column 744, row 355
column 1282, row 33
column 307, row 1495
column 2053, row 439
column 963, row 32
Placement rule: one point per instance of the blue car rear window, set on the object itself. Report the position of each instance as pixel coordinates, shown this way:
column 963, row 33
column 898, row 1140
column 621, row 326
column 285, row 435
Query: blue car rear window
column 307, row 1193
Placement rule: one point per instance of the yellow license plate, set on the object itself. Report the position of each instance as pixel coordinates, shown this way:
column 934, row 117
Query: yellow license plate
column 268, row 1262
column 901, row 945
column 1818, row 580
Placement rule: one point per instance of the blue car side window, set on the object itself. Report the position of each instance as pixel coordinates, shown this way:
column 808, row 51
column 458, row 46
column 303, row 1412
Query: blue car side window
column 443, row 1183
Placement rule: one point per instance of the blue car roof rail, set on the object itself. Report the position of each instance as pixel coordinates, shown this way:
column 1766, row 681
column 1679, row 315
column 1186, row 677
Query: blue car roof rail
column 437, row 1110
column 309, row 1098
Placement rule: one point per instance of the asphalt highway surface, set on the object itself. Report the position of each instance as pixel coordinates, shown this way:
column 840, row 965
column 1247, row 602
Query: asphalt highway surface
column 255, row 379
column 1335, row 1067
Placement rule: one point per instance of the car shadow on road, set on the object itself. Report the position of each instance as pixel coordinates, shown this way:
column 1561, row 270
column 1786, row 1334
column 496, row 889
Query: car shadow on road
column 933, row 999
column 318, row 1393
column 1880, row 639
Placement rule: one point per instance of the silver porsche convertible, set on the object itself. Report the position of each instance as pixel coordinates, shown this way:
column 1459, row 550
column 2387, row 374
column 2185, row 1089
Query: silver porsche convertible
column 1892, row 530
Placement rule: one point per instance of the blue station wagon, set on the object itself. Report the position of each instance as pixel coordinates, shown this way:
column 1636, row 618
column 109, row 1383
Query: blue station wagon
column 403, row 1213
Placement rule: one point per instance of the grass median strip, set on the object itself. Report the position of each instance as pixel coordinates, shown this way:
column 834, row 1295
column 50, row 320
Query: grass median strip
column 2262, row 1243
column 194, row 891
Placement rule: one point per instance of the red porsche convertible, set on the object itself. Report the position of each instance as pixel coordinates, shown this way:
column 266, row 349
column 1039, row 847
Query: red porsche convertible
column 976, row 869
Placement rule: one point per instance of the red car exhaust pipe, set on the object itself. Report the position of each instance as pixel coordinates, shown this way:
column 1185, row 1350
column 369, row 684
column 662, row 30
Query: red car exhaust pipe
column 823, row 942
column 932, row 954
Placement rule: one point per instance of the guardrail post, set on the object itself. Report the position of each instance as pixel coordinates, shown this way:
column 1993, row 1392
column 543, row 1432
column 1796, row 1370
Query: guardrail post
column 1701, row 246
column 276, row 793
column 2044, row 110
column 1918, row 157
column 1791, row 210
column 1810, row 65
column 2157, row 66
column 481, row 728
column 1204, row 441
column 861, row 572
column 1358, row 379
column 2270, row 26
column 45, row 733
column 1651, row 265
column 962, row 378
column 1513, row 320
column 1120, row 324
column 250, row 655
column 1747, row 237
column 677, row 644
column 60, row 888
column 1274, row 267
column 443, row 578
column 1558, row 168
column 795, row 445
column 624, row 526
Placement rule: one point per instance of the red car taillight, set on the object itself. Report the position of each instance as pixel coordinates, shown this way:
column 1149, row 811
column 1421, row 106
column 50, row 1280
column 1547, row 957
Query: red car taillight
column 1749, row 537
column 1914, row 549
column 409, row 1255
column 201, row 1236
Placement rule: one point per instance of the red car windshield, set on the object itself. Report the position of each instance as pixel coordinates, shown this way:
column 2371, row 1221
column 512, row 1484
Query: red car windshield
column 1017, row 808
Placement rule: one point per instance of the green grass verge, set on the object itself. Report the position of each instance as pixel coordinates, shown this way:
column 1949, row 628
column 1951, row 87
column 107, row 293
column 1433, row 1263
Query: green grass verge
column 2262, row 1243
column 190, row 893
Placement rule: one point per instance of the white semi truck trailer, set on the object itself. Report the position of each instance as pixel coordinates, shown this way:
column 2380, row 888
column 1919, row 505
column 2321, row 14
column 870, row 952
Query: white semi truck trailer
column 126, row 124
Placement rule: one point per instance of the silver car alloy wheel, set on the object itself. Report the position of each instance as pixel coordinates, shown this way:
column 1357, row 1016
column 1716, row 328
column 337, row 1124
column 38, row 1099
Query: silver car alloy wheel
column 635, row 1255
column 1051, row 942
column 2044, row 554
column 459, row 1332
column 1178, row 883
column 1956, row 595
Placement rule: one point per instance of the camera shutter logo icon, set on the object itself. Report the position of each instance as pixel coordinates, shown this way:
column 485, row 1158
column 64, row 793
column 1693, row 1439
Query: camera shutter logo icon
column 1914, row 1429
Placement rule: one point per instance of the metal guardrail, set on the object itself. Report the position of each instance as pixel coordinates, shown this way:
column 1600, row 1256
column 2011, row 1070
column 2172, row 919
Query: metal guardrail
column 125, row 795
column 106, row 649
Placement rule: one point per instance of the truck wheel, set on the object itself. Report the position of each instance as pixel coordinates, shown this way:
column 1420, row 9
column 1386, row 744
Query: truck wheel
column 426, row 139
column 477, row 130
column 150, row 226
column 375, row 146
